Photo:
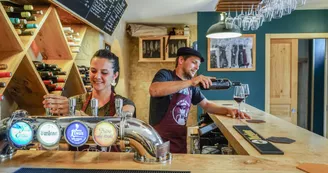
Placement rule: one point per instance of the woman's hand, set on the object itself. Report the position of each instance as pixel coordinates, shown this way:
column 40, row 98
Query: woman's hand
column 235, row 113
column 57, row 104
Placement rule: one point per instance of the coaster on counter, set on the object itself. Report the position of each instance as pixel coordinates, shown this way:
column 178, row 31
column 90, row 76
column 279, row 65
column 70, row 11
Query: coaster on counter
column 255, row 121
column 283, row 140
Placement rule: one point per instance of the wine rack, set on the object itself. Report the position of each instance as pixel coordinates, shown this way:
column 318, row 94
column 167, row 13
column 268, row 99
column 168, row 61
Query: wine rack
column 25, row 87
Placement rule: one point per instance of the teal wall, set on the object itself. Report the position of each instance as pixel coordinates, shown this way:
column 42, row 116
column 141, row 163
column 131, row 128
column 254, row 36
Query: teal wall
column 302, row 21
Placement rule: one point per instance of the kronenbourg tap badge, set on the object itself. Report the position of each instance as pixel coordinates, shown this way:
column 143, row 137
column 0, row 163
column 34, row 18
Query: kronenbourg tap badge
column 20, row 134
column 104, row 134
column 48, row 134
column 76, row 133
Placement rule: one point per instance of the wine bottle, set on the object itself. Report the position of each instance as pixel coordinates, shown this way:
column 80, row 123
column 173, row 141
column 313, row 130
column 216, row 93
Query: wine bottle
column 51, row 88
column 26, row 33
column 2, row 84
column 14, row 20
column 5, row 74
column 8, row 8
column 24, row 14
column 45, row 74
column 3, row 66
column 26, row 26
column 220, row 84
column 54, row 79
column 47, row 82
column 59, row 72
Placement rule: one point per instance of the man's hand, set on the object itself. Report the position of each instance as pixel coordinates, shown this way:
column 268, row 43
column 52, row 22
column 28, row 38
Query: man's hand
column 235, row 113
column 201, row 79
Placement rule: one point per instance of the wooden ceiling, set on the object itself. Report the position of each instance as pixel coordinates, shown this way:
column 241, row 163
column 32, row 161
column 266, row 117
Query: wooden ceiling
column 233, row 5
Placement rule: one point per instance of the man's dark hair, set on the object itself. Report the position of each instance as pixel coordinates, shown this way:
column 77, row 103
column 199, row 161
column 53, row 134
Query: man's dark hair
column 106, row 54
column 185, row 57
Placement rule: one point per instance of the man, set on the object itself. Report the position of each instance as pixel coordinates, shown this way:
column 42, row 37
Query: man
column 172, row 93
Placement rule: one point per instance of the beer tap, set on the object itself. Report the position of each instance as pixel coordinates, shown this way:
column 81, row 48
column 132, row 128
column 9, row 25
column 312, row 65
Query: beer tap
column 72, row 104
column 94, row 107
column 118, row 106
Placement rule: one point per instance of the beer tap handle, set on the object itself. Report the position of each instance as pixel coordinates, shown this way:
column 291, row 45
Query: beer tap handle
column 118, row 106
column 72, row 105
column 94, row 107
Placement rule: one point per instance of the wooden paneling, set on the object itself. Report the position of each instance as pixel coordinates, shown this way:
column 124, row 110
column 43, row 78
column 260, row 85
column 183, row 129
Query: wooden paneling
column 236, row 5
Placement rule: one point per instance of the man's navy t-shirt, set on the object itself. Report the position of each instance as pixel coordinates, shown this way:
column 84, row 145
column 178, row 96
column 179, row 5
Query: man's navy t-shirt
column 158, row 105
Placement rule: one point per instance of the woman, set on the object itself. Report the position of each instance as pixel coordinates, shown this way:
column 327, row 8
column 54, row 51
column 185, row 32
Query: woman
column 104, row 75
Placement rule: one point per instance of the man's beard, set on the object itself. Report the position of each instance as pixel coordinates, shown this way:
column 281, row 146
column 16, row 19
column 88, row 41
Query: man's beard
column 187, row 74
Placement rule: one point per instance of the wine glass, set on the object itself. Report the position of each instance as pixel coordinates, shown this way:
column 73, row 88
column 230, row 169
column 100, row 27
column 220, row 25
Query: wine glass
column 247, row 92
column 239, row 95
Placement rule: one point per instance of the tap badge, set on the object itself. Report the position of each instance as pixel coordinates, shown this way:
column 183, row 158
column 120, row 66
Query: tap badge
column 104, row 134
column 76, row 133
column 48, row 134
column 20, row 134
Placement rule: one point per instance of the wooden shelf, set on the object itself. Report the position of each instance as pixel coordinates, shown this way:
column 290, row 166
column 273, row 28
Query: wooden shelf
column 81, row 29
column 74, row 84
column 51, row 39
column 26, row 89
column 9, row 39
column 27, row 40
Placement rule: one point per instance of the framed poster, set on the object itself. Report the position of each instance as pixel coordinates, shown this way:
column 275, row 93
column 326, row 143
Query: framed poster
column 233, row 54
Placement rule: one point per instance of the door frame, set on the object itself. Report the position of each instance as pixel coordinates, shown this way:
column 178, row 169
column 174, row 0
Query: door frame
column 268, row 38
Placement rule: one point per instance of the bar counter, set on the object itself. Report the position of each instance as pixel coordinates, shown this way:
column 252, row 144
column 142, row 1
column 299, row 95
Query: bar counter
column 308, row 148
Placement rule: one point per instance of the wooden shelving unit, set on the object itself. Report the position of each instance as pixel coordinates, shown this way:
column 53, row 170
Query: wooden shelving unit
column 25, row 88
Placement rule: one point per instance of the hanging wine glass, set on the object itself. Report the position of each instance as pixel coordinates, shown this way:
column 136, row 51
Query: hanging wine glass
column 229, row 21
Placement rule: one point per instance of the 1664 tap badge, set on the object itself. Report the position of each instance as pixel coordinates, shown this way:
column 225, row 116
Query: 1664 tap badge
column 20, row 134
column 76, row 133
column 48, row 134
column 104, row 134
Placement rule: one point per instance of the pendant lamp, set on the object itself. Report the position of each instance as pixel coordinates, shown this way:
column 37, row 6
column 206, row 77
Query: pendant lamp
column 219, row 30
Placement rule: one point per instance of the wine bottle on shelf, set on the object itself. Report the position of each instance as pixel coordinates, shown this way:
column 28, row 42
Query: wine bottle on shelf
column 24, row 14
column 8, row 8
column 14, row 20
column 5, row 74
column 45, row 74
column 59, row 72
column 47, row 82
column 68, row 30
column 2, row 84
column 26, row 33
column 51, row 88
column 54, row 79
column 3, row 66
column 26, row 26
column 220, row 84
column 18, row 31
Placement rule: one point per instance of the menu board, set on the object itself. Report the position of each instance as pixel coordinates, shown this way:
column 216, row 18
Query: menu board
column 104, row 14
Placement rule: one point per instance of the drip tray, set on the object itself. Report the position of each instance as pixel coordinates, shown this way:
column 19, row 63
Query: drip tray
column 55, row 170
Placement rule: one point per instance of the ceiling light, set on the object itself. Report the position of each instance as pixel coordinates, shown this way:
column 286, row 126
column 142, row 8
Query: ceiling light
column 219, row 30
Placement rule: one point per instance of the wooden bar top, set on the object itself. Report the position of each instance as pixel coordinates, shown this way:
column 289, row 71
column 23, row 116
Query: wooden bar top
column 308, row 148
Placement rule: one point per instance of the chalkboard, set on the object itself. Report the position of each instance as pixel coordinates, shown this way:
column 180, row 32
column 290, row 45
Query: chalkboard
column 104, row 14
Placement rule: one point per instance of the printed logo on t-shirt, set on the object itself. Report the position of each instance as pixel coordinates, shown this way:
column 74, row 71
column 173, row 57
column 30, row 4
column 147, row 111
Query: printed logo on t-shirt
column 180, row 112
column 184, row 91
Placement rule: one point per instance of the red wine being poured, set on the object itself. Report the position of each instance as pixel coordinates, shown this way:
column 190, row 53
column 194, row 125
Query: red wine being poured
column 238, row 99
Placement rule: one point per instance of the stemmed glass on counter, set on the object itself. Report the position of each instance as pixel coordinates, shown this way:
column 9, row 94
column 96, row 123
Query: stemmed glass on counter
column 247, row 93
column 239, row 95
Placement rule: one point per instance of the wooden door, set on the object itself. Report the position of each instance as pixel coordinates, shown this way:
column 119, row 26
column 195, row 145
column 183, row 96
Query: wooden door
column 283, row 78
